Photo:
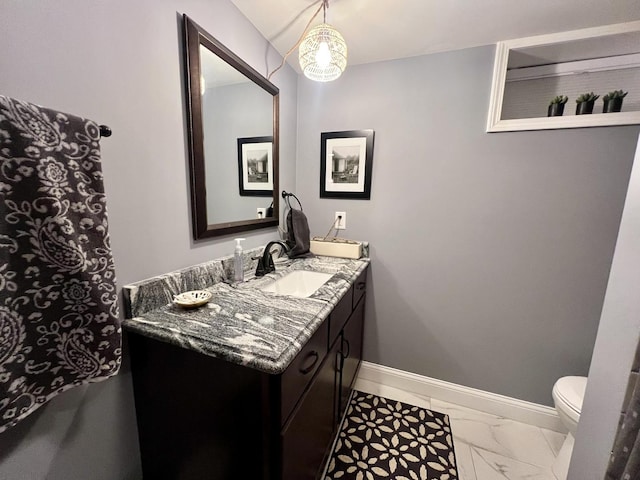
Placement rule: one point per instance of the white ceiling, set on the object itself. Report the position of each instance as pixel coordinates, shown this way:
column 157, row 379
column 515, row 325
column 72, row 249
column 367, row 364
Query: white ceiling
column 377, row 30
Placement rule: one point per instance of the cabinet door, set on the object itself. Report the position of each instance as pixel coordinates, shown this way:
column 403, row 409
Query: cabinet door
column 307, row 436
column 351, row 348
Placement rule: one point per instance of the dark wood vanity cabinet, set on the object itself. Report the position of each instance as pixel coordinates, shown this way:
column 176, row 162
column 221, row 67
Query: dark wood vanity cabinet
column 201, row 417
column 346, row 326
column 308, row 435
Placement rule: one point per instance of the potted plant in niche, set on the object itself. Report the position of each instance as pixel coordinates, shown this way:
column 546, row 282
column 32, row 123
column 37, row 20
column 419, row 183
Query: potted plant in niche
column 556, row 106
column 613, row 101
column 585, row 102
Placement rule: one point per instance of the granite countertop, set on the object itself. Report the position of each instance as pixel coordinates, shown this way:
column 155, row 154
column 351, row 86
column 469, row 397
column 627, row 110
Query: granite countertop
column 241, row 323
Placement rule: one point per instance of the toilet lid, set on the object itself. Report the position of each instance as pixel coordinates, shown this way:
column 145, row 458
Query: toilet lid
column 571, row 391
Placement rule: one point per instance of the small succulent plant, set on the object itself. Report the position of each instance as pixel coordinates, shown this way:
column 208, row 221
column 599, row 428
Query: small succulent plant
column 614, row 94
column 587, row 97
column 560, row 99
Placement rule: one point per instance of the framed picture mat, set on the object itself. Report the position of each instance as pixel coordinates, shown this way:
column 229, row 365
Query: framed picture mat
column 255, row 166
column 346, row 163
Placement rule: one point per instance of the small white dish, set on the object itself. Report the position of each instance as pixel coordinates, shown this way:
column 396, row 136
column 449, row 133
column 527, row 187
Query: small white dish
column 192, row 299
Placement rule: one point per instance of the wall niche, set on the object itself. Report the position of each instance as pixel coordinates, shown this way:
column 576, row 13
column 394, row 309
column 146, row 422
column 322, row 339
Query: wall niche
column 529, row 72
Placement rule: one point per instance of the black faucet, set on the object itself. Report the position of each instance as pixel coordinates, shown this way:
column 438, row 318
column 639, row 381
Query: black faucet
column 265, row 263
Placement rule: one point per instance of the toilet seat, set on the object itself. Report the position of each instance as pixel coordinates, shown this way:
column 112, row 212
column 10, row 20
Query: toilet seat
column 569, row 393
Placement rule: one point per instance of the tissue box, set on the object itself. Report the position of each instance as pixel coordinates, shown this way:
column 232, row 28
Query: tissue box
column 336, row 247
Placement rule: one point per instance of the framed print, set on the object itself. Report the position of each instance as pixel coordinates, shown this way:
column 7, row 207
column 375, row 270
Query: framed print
column 346, row 160
column 255, row 166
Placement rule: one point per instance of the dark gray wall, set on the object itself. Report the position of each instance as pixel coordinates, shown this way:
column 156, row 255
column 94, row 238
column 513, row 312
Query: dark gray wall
column 490, row 251
column 120, row 63
column 615, row 347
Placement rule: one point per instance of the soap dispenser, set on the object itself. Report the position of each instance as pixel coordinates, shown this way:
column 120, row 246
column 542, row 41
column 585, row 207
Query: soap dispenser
column 238, row 262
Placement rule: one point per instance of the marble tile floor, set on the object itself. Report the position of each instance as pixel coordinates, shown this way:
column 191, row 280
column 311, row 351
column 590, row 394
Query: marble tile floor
column 487, row 447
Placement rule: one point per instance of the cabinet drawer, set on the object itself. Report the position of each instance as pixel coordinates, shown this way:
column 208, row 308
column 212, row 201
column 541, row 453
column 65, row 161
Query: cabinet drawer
column 340, row 315
column 359, row 287
column 297, row 376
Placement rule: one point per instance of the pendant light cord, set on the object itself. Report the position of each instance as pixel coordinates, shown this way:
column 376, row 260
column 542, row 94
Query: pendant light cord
column 324, row 4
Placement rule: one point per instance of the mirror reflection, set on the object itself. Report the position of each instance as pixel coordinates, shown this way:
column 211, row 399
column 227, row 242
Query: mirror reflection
column 237, row 117
column 233, row 133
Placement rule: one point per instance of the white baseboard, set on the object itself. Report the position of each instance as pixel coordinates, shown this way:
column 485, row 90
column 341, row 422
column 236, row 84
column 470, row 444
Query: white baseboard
column 496, row 404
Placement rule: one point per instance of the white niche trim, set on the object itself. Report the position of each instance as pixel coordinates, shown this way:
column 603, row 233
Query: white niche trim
column 608, row 35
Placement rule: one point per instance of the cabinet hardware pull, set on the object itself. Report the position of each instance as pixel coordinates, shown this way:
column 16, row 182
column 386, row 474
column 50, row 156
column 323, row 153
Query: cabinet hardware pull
column 344, row 340
column 339, row 361
column 360, row 285
column 313, row 354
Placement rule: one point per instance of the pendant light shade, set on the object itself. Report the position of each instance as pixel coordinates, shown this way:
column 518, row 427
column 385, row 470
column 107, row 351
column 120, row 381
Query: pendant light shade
column 323, row 51
column 323, row 54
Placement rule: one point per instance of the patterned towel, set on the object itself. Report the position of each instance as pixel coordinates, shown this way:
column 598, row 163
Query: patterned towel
column 59, row 324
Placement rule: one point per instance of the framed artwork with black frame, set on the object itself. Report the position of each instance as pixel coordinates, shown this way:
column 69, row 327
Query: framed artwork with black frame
column 346, row 161
column 255, row 166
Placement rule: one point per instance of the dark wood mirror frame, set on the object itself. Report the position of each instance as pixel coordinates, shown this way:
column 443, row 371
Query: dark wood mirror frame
column 194, row 36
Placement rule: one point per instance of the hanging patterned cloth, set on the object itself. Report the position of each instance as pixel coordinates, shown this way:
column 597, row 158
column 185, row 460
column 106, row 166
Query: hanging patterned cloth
column 59, row 324
column 624, row 462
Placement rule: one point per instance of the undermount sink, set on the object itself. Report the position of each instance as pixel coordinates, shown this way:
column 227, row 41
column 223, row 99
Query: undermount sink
column 299, row 283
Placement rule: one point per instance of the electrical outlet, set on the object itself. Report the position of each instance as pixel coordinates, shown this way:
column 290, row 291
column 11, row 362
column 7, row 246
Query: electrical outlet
column 342, row 223
column 262, row 212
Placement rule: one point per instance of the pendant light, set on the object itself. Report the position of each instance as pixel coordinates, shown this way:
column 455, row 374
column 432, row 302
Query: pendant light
column 323, row 51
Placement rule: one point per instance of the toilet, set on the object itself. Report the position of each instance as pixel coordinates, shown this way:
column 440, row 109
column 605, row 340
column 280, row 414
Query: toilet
column 568, row 393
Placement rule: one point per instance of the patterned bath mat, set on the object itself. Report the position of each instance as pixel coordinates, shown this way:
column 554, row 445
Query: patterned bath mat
column 382, row 438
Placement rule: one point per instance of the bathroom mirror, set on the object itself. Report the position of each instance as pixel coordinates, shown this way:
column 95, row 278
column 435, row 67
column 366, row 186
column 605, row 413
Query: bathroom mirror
column 529, row 72
column 233, row 139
